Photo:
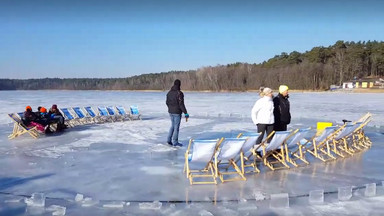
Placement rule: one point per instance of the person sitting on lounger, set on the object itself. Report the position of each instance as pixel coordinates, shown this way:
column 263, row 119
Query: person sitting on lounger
column 45, row 119
column 57, row 117
column 38, row 112
column 28, row 116
column 31, row 119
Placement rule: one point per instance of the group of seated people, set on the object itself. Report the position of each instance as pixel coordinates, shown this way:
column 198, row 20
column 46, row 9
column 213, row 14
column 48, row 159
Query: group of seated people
column 43, row 119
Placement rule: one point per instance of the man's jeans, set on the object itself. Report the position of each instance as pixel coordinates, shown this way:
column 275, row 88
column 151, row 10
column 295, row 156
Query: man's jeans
column 58, row 119
column 174, row 130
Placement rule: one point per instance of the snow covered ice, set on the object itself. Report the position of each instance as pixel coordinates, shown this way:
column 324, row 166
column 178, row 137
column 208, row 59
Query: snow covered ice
column 130, row 162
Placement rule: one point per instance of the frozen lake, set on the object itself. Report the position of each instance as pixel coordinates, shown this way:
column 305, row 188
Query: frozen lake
column 129, row 162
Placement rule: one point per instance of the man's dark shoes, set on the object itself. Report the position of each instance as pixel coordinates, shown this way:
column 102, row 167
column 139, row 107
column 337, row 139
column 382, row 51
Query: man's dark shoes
column 169, row 143
column 178, row 144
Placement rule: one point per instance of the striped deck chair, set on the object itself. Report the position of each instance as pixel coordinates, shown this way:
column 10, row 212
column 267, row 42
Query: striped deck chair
column 135, row 114
column 201, row 153
column 249, row 160
column 103, row 113
column 83, row 118
column 19, row 128
column 92, row 114
column 69, row 117
column 319, row 146
column 111, row 111
column 294, row 148
column 229, row 150
column 273, row 153
column 121, row 111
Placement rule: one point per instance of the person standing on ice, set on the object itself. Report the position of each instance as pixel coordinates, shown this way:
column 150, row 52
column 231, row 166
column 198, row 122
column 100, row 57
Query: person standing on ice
column 282, row 109
column 262, row 113
column 175, row 103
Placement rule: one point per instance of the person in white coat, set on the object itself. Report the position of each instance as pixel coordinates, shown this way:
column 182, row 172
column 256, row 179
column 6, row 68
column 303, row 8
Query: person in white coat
column 262, row 113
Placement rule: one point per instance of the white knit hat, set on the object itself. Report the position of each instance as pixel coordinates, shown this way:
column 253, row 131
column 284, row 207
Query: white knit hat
column 267, row 90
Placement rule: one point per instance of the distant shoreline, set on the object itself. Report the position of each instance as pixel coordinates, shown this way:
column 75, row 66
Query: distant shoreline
column 227, row 91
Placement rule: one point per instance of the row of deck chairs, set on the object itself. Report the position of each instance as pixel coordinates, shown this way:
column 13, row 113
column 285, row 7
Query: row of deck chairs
column 78, row 116
column 231, row 158
column 88, row 115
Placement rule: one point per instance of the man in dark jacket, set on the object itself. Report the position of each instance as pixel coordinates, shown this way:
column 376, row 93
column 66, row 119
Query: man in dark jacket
column 175, row 103
column 281, row 109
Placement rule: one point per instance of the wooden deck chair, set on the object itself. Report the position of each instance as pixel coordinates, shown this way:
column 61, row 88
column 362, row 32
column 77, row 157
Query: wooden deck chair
column 19, row 128
column 274, row 150
column 319, row 146
column 342, row 142
column 294, row 147
column 229, row 150
column 92, row 114
column 121, row 111
column 103, row 113
column 69, row 117
column 361, row 141
column 203, row 154
column 249, row 160
column 113, row 114
column 85, row 119
column 135, row 114
column 364, row 118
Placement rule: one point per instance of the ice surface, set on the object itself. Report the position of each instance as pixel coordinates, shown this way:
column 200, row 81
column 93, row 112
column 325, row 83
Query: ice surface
column 129, row 161
column 56, row 210
column 34, row 210
column 370, row 189
column 87, row 202
column 279, row 200
column 16, row 200
column 258, row 195
column 79, row 197
column 205, row 213
column 316, row 196
column 114, row 204
column 36, row 200
column 249, row 208
column 345, row 193
column 155, row 205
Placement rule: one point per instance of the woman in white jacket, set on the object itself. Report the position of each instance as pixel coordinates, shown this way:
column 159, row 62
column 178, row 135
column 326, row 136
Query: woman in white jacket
column 262, row 113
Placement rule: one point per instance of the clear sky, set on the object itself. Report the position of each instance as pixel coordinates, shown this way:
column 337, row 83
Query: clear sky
column 101, row 39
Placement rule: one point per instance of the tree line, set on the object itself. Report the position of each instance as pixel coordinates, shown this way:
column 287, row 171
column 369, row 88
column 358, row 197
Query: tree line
column 316, row 69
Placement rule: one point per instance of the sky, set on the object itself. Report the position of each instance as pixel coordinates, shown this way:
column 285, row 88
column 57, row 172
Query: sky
column 112, row 39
